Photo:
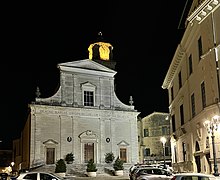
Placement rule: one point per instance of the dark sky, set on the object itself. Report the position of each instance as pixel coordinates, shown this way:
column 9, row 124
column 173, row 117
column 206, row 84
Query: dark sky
column 36, row 37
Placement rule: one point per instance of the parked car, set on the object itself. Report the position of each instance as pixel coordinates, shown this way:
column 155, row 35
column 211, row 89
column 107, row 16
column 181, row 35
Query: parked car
column 4, row 176
column 151, row 173
column 39, row 176
column 194, row 176
column 136, row 166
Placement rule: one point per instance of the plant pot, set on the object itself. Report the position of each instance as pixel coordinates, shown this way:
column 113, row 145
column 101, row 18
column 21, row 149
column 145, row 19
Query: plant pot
column 61, row 174
column 91, row 174
column 119, row 173
column 69, row 162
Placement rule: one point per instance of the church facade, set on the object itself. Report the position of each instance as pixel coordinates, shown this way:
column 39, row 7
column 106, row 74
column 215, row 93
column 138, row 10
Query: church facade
column 84, row 117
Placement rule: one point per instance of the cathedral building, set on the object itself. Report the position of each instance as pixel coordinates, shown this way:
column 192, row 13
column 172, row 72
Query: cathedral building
column 84, row 116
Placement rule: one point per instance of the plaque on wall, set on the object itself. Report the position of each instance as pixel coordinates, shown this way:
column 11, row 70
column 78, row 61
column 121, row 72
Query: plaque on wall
column 69, row 139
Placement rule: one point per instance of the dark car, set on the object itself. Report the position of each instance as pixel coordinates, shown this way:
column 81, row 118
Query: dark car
column 4, row 176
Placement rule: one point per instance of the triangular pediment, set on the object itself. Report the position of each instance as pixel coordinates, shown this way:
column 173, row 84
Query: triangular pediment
column 50, row 141
column 123, row 143
column 85, row 64
column 88, row 84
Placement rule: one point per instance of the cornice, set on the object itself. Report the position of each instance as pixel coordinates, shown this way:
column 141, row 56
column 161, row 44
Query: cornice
column 203, row 10
column 173, row 67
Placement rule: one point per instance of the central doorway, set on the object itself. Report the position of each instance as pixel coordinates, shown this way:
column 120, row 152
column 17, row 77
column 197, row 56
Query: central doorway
column 88, row 152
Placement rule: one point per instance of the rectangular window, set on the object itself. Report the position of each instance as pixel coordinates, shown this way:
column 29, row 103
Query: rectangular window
column 173, row 123
column 123, row 154
column 190, row 64
column 146, row 133
column 50, row 158
column 180, row 79
column 181, row 115
column 193, row 105
column 184, row 151
column 88, row 98
column 164, row 130
column 147, row 152
column 175, row 155
column 203, row 95
column 167, row 151
column 171, row 92
column 200, row 47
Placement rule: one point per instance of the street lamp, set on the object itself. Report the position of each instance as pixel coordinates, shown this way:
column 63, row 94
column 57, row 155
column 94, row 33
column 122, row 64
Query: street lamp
column 212, row 126
column 163, row 140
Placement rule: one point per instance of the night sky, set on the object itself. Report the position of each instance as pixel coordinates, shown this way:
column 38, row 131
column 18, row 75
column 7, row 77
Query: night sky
column 36, row 37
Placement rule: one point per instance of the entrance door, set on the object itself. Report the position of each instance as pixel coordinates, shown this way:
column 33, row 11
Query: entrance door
column 88, row 152
column 50, row 155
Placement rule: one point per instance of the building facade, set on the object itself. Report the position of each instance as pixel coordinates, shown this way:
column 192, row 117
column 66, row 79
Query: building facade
column 150, row 130
column 193, row 82
column 84, row 116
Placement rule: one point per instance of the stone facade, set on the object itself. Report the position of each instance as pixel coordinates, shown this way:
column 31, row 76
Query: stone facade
column 193, row 88
column 64, row 123
column 150, row 130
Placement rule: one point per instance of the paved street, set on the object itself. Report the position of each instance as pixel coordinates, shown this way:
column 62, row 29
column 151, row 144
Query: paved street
column 100, row 177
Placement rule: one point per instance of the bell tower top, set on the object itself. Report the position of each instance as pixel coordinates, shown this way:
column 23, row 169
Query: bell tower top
column 100, row 50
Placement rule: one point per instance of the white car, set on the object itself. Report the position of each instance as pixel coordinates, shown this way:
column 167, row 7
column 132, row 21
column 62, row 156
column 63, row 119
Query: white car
column 194, row 176
column 151, row 173
column 154, row 177
column 39, row 176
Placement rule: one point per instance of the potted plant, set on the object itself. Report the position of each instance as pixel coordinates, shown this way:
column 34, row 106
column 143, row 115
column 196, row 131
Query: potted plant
column 91, row 168
column 109, row 157
column 118, row 166
column 60, row 167
column 69, row 158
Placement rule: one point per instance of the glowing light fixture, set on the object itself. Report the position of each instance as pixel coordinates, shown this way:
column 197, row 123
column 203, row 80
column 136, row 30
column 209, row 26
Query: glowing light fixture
column 163, row 140
column 212, row 126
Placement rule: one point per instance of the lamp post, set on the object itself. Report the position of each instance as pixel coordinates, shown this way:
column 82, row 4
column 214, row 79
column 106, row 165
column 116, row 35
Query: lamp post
column 163, row 140
column 211, row 127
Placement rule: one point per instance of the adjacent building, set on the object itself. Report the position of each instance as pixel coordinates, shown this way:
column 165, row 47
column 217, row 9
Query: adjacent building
column 84, row 116
column 150, row 131
column 193, row 87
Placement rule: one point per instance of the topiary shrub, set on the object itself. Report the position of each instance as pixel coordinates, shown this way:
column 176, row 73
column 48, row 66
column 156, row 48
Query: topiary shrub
column 60, row 166
column 69, row 158
column 91, row 166
column 109, row 157
column 118, row 164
